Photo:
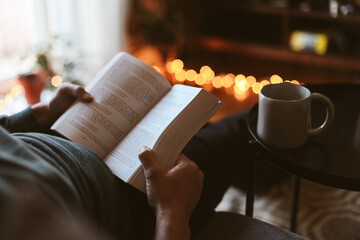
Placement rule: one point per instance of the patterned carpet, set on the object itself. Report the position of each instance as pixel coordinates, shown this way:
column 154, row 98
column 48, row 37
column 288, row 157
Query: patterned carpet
column 325, row 213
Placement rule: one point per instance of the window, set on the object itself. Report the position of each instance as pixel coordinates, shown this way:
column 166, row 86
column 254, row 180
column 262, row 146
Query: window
column 15, row 34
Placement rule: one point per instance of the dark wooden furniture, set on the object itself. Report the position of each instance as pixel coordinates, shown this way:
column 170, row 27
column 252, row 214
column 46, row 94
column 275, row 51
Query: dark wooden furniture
column 261, row 30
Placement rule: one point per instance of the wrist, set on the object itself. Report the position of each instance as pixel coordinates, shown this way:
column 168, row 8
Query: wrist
column 174, row 214
column 41, row 113
column 172, row 226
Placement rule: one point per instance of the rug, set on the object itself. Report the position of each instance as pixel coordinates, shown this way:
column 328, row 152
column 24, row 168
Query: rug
column 325, row 213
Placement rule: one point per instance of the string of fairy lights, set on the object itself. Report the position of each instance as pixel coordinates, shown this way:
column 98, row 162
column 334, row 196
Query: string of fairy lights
column 239, row 85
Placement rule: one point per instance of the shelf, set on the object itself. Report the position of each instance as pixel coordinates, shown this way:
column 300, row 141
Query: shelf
column 290, row 12
column 320, row 15
column 260, row 9
column 278, row 53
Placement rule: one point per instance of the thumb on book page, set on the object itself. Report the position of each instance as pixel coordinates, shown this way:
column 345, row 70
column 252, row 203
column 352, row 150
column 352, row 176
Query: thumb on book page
column 148, row 161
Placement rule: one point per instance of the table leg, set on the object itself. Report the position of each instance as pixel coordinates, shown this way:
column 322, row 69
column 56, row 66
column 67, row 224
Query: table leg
column 250, row 194
column 295, row 206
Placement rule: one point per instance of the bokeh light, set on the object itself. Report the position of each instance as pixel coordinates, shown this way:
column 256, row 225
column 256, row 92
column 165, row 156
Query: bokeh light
column 237, row 86
column 2, row 104
column 180, row 76
column 56, row 81
column 264, row 82
column 256, row 87
column 228, row 80
column 217, row 82
column 177, row 65
column 239, row 78
column 276, row 79
column 200, row 80
column 191, row 75
column 250, row 80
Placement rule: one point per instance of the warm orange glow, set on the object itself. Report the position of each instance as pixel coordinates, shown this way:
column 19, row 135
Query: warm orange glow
column 217, row 82
column 229, row 90
column 228, row 80
column 16, row 90
column 208, row 87
column 56, row 81
column 168, row 67
column 204, row 68
column 2, row 104
column 9, row 98
column 180, row 76
column 242, row 96
column 238, row 86
column 177, row 65
column 276, row 79
column 191, row 75
column 157, row 68
column 256, row 87
column 243, row 85
column 232, row 76
column 264, row 82
column 208, row 74
column 239, row 78
column 250, row 80
column 238, row 90
column 200, row 80
column 287, row 81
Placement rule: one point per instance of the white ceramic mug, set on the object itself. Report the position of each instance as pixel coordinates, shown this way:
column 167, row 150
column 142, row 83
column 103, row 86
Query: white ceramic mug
column 284, row 119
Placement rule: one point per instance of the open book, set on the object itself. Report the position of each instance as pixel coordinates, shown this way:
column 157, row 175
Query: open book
column 134, row 106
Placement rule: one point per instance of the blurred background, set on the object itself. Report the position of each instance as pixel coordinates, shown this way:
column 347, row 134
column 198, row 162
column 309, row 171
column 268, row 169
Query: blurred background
column 231, row 48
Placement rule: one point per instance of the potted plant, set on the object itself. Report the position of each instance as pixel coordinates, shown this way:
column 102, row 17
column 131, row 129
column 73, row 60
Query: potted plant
column 43, row 62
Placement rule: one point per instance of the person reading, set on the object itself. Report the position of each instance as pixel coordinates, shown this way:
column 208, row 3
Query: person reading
column 52, row 187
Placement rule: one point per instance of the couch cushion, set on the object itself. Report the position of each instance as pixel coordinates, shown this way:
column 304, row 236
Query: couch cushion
column 232, row 226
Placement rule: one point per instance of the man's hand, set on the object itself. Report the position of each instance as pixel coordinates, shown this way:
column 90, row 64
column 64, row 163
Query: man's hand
column 47, row 113
column 172, row 193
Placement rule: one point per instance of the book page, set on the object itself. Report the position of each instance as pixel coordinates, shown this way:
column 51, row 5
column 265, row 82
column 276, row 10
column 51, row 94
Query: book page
column 124, row 91
column 174, row 138
column 123, row 160
column 166, row 129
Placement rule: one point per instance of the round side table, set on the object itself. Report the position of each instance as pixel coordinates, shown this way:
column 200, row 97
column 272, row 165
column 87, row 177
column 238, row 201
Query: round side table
column 332, row 158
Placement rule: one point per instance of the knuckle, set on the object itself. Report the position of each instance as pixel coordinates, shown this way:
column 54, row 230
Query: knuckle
column 193, row 166
column 201, row 175
column 79, row 90
column 64, row 86
column 152, row 174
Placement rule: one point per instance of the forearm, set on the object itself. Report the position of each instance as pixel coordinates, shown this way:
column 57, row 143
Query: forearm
column 169, row 227
column 24, row 121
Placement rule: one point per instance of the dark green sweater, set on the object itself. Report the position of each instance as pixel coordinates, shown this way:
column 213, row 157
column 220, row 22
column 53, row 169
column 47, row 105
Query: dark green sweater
column 71, row 177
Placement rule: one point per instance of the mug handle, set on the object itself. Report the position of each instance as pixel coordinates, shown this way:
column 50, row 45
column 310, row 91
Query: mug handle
column 329, row 113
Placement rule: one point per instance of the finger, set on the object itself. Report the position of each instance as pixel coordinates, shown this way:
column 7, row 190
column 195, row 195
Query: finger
column 75, row 91
column 148, row 160
column 184, row 162
column 183, row 159
column 83, row 95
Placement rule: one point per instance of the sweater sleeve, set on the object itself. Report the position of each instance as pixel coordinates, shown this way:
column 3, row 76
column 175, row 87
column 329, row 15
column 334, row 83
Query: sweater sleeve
column 23, row 121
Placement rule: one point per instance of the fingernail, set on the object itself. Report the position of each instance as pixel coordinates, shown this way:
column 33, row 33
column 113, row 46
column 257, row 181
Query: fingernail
column 144, row 148
column 87, row 96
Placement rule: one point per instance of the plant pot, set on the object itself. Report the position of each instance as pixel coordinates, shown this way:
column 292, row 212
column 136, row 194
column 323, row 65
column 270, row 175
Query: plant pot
column 33, row 85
